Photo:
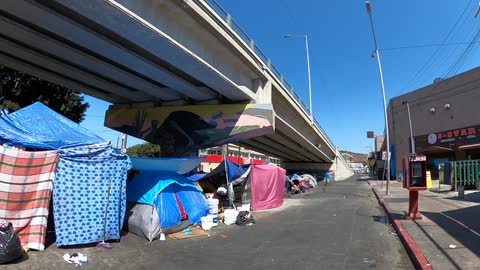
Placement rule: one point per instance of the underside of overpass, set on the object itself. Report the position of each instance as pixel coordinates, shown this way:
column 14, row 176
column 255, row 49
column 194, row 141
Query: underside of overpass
column 148, row 54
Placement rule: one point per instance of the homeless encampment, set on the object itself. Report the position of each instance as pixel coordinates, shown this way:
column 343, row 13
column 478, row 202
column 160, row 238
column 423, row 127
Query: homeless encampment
column 258, row 186
column 162, row 201
column 81, row 167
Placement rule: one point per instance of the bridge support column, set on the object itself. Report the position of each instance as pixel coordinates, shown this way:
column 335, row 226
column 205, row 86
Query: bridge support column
column 263, row 89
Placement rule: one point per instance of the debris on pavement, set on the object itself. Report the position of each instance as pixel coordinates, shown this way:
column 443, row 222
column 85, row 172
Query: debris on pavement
column 75, row 258
column 452, row 246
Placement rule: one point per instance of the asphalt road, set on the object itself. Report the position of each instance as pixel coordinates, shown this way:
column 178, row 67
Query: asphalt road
column 342, row 228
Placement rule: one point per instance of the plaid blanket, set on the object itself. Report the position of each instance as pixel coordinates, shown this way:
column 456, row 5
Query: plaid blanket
column 25, row 188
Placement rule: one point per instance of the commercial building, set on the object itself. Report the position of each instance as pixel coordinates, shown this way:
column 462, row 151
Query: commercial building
column 445, row 122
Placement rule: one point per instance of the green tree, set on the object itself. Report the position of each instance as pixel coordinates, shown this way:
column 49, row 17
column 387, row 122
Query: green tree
column 133, row 150
column 18, row 90
column 144, row 150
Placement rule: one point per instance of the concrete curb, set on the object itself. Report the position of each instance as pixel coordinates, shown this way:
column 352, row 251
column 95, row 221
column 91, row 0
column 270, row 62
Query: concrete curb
column 413, row 251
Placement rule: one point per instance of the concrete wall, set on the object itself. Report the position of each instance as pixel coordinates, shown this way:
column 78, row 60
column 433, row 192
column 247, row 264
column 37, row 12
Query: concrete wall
column 341, row 167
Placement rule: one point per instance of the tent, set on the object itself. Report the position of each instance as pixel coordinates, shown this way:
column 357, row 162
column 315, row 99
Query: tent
column 161, row 200
column 89, row 171
column 260, row 186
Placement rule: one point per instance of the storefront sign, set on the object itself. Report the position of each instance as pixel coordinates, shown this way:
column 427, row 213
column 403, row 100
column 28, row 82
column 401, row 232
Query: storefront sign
column 418, row 158
column 449, row 139
column 456, row 133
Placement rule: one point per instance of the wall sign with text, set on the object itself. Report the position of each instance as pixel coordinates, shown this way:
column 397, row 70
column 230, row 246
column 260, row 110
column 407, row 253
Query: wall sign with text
column 449, row 139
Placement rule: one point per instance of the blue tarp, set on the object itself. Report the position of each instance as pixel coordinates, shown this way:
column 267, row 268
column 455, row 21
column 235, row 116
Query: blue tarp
column 39, row 127
column 234, row 171
column 158, row 188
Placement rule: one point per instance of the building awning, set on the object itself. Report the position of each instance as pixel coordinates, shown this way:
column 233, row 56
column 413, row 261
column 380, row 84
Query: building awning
column 469, row 146
column 435, row 149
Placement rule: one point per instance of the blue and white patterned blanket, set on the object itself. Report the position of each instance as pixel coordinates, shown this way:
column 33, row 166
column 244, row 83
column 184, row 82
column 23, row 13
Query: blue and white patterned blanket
column 80, row 194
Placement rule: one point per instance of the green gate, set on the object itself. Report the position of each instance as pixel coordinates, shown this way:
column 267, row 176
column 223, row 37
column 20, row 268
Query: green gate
column 466, row 173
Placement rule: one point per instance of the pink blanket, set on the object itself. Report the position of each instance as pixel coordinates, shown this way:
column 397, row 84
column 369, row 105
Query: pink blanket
column 267, row 186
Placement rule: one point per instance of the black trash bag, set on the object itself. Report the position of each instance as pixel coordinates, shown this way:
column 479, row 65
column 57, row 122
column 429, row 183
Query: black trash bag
column 10, row 247
column 245, row 218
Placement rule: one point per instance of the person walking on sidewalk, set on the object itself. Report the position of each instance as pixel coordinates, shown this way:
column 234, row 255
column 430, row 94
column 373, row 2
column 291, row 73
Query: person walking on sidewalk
column 327, row 180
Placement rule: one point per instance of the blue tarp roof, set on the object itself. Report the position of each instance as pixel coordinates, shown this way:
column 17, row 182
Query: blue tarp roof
column 40, row 127
column 145, row 187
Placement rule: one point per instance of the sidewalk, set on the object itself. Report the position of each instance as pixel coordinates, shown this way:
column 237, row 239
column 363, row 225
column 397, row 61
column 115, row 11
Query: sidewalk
column 448, row 234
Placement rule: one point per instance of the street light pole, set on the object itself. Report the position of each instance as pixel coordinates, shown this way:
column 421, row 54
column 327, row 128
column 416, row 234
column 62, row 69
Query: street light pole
column 377, row 55
column 308, row 71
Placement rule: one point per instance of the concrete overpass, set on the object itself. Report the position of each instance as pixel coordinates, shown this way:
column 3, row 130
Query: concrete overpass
column 160, row 53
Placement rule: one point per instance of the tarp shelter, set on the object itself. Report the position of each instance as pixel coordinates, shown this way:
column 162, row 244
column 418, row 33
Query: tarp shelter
column 226, row 174
column 88, row 170
column 160, row 199
column 261, row 186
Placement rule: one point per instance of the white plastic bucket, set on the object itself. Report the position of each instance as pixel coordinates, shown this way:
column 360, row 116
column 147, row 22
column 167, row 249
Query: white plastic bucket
column 214, row 219
column 212, row 206
column 207, row 223
column 230, row 216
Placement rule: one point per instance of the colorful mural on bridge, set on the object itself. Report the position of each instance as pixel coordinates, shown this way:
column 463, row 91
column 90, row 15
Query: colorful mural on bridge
column 181, row 131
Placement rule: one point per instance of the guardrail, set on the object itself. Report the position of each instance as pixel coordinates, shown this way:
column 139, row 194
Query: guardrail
column 268, row 63
column 466, row 173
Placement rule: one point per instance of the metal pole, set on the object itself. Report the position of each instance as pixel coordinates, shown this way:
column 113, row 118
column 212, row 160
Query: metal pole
column 411, row 130
column 309, row 79
column 308, row 73
column 376, row 53
column 124, row 143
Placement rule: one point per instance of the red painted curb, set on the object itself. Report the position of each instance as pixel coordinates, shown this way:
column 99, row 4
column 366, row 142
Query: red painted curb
column 413, row 251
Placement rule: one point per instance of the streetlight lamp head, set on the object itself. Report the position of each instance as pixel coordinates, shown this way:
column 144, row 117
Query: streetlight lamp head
column 287, row 36
column 373, row 54
column 369, row 7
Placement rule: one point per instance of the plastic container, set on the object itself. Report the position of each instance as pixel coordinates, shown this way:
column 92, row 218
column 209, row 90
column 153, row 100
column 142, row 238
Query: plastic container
column 214, row 219
column 212, row 206
column 230, row 216
column 207, row 223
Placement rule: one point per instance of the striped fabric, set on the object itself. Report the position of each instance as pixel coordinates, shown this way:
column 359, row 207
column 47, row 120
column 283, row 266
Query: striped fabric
column 26, row 180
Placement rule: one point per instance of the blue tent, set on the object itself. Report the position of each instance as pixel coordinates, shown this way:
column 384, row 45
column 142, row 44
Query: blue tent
column 161, row 190
column 40, row 127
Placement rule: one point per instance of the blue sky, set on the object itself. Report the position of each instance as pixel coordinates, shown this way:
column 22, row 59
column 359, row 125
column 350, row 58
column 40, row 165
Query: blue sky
column 418, row 41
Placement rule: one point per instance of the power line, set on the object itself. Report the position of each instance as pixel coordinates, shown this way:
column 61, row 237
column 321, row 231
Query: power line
column 467, row 52
column 424, row 46
column 423, row 68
